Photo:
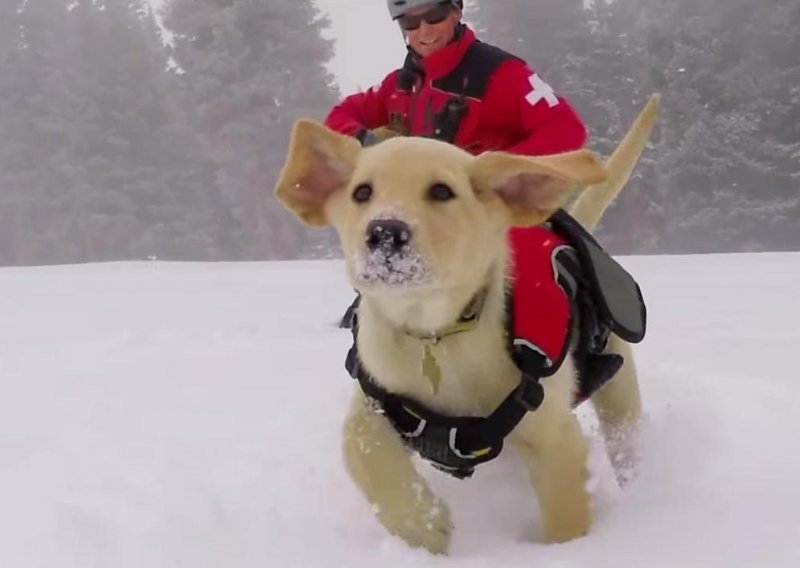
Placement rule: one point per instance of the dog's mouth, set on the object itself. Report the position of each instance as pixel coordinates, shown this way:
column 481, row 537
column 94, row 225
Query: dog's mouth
column 395, row 268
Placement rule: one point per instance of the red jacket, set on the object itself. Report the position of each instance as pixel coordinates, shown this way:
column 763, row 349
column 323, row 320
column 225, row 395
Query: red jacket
column 509, row 107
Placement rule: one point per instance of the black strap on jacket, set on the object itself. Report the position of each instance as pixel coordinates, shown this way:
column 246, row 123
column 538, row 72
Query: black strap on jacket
column 469, row 79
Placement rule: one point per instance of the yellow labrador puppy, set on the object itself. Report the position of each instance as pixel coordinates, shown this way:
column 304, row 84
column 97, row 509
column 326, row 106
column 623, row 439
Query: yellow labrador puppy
column 423, row 226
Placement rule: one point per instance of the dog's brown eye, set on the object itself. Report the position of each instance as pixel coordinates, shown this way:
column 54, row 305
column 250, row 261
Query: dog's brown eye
column 441, row 192
column 362, row 193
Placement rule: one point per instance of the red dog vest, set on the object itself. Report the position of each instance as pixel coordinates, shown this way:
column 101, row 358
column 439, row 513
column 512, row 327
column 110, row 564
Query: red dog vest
column 541, row 308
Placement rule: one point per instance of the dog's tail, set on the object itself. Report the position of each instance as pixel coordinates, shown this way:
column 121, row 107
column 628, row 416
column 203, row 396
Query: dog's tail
column 590, row 205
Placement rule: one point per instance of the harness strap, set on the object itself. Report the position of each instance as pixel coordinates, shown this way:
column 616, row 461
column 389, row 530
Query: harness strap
column 455, row 445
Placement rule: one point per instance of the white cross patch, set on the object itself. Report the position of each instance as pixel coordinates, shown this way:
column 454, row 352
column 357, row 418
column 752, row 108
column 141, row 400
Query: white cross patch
column 541, row 90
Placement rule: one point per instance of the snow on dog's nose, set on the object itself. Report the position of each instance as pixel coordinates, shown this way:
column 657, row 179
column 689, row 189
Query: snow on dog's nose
column 389, row 256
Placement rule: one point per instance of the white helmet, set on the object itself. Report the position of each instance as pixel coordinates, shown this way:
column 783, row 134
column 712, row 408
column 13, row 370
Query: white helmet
column 398, row 7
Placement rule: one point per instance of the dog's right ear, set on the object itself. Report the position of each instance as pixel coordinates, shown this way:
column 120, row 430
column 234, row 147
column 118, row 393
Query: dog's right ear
column 319, row 162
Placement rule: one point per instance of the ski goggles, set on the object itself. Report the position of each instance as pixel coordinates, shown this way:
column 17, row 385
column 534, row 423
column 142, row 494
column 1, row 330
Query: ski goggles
column 435, row 15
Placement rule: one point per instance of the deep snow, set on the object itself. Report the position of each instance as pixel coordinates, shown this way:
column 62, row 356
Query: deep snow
column 166, row 414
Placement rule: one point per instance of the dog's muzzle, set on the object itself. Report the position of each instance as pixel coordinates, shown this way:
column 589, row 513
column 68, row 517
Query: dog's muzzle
column 389, row 256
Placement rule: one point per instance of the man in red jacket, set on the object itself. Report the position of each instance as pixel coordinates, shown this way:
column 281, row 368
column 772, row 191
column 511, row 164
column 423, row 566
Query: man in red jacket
column 458, row 89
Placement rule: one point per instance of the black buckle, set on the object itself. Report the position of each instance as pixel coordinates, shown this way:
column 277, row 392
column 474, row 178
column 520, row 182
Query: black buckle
column 529, row 393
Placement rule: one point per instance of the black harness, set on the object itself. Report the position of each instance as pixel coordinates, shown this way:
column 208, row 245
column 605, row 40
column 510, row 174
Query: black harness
column 455, row 445
column 603, row 297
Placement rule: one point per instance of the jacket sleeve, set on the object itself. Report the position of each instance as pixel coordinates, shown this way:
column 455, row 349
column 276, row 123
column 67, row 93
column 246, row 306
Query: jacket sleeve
column 364, row 110
column 547, row 123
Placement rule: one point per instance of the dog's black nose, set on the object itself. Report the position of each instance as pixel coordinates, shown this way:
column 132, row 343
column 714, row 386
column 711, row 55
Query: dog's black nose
column 388, row 235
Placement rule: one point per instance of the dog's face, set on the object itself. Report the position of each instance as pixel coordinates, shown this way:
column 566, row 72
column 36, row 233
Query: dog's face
column 409, row 217
column 415, row 213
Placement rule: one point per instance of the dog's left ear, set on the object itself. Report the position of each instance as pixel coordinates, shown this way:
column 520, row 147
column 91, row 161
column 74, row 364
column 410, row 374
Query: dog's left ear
column 533, row 187
column 319, row 162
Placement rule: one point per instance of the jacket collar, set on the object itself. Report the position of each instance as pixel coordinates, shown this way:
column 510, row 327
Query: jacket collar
column 446, row 59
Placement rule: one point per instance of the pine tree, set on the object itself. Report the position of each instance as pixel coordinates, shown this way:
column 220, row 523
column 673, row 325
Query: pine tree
column 723, row 177
column 95, row 166
column 722, row 170
column 10, row 206
column 249, row 68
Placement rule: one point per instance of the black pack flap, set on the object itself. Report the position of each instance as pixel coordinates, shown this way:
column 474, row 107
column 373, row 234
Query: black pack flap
column 616, row 293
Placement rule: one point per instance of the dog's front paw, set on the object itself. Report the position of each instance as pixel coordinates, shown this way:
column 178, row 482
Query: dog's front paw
column 422, row 521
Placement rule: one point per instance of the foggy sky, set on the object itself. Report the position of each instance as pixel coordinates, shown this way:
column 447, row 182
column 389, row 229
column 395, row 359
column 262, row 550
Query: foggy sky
column 368, row 44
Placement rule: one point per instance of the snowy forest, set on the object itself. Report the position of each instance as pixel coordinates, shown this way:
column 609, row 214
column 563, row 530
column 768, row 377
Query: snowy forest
column 115, row 145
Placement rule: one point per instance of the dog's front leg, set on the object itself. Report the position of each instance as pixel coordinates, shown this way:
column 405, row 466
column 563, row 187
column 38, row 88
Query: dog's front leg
column 556, row 461
column 381, row 466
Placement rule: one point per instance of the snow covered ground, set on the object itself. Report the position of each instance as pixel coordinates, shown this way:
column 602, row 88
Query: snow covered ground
column 166, row 414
